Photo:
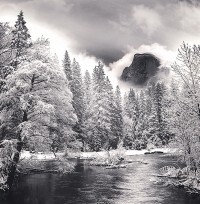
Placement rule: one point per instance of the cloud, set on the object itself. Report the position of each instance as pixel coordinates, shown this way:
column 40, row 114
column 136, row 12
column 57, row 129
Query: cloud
column 194, row 2
column 147, row 19
column 106, row 29
column 86, row 62
column 166, row 56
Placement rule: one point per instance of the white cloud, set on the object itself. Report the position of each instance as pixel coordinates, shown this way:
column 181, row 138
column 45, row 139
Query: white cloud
column 147, row 19
column 166, row 56
column 86, row 62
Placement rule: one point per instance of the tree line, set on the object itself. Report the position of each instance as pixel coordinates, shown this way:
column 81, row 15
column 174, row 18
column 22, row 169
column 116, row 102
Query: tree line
column 106, row 119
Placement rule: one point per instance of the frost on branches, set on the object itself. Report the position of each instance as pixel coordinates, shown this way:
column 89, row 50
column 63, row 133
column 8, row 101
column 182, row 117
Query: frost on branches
column 36, row 109
column 186, row 107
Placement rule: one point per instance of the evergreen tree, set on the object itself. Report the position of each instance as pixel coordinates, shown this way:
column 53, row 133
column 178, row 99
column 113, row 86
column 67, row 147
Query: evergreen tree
column 111, row 115
column 67, row 67
column 78, row 98
column 87, row 87
column 152, row 118
column 142, row 122
column 157, row 107
column 6, row 55
column 21, row 40
column 158, row 98
column 88, row 96
column 117, row 121
column 131, row 114
column 100, row 120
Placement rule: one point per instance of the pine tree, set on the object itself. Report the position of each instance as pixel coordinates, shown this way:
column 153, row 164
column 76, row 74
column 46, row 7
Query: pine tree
column 6, row 55
column 21, row 39
column 100, row 119
column 142, row 122
column 152, row 129
column 67, row 67
column 88, row 99
column 78, row 98
column 131, row 114
column 157, row 104
column 5, row 44
column 87, row 87
column 161, row 103
column 117, row 121
column 158, row 97
column 111, row 117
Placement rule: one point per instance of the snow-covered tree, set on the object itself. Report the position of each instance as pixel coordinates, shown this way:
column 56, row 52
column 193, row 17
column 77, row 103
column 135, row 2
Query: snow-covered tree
column 161, row 106
column 187, row 70
column 6, row 54
column 67, row 67
column 21, row 40
column 157, row 129
column 117, row 117
column 36, row 109
column 111, row 112
column 5, row 38
column 142, row 124
column 131, row 115
column 100, row 115
column 186, row 109
column 152, row 119
column 88, row 103
column 77, row 89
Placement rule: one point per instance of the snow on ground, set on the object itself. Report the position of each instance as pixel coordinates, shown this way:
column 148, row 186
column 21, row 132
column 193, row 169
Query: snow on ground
column 86, row 155
column 128, row 152
column 39, row 155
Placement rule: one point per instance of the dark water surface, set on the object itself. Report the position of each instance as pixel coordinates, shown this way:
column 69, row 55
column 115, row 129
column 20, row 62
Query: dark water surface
column 137, row 184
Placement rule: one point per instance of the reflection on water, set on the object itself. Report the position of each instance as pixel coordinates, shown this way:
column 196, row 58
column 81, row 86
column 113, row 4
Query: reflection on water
column 137, row 184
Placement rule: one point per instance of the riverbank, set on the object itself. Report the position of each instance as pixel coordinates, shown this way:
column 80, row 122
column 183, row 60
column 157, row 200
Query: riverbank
column 92, row 155
column 182, row 178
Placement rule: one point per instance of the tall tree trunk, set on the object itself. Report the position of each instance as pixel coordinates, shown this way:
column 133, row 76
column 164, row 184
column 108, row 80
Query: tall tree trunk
column 198, row 110
column 13, row 165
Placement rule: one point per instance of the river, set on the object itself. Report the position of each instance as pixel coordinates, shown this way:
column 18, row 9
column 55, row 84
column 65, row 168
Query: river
column 137, row 184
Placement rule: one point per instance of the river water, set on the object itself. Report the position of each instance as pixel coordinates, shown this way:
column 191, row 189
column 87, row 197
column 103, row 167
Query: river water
column 137, row 184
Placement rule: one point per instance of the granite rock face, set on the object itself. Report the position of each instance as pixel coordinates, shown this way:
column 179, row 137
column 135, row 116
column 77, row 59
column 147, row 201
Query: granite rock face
column 143, row 67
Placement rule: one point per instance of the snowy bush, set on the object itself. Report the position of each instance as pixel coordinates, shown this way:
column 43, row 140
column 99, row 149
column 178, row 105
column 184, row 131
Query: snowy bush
column 60, row 165
column 113, row 157
column 171, row 171
column 6, row 154
column 64, row 166
column 72, row 153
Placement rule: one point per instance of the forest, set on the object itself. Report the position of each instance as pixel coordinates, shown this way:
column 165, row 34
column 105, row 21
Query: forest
column 49, row 107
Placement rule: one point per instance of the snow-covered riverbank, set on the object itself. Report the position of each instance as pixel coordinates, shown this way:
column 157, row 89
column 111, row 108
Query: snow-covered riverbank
column 90, row 155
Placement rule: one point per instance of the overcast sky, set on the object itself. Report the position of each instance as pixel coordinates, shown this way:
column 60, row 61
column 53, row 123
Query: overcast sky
column 111, row 30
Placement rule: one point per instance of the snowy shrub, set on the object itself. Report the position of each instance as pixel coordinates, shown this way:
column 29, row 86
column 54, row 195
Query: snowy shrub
column 113, row 157
column 26, row 165
column 64, row 166
column 192, row 183
column 72, row 153
column 6, row 154
column 60, row 165
column 171, row 171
